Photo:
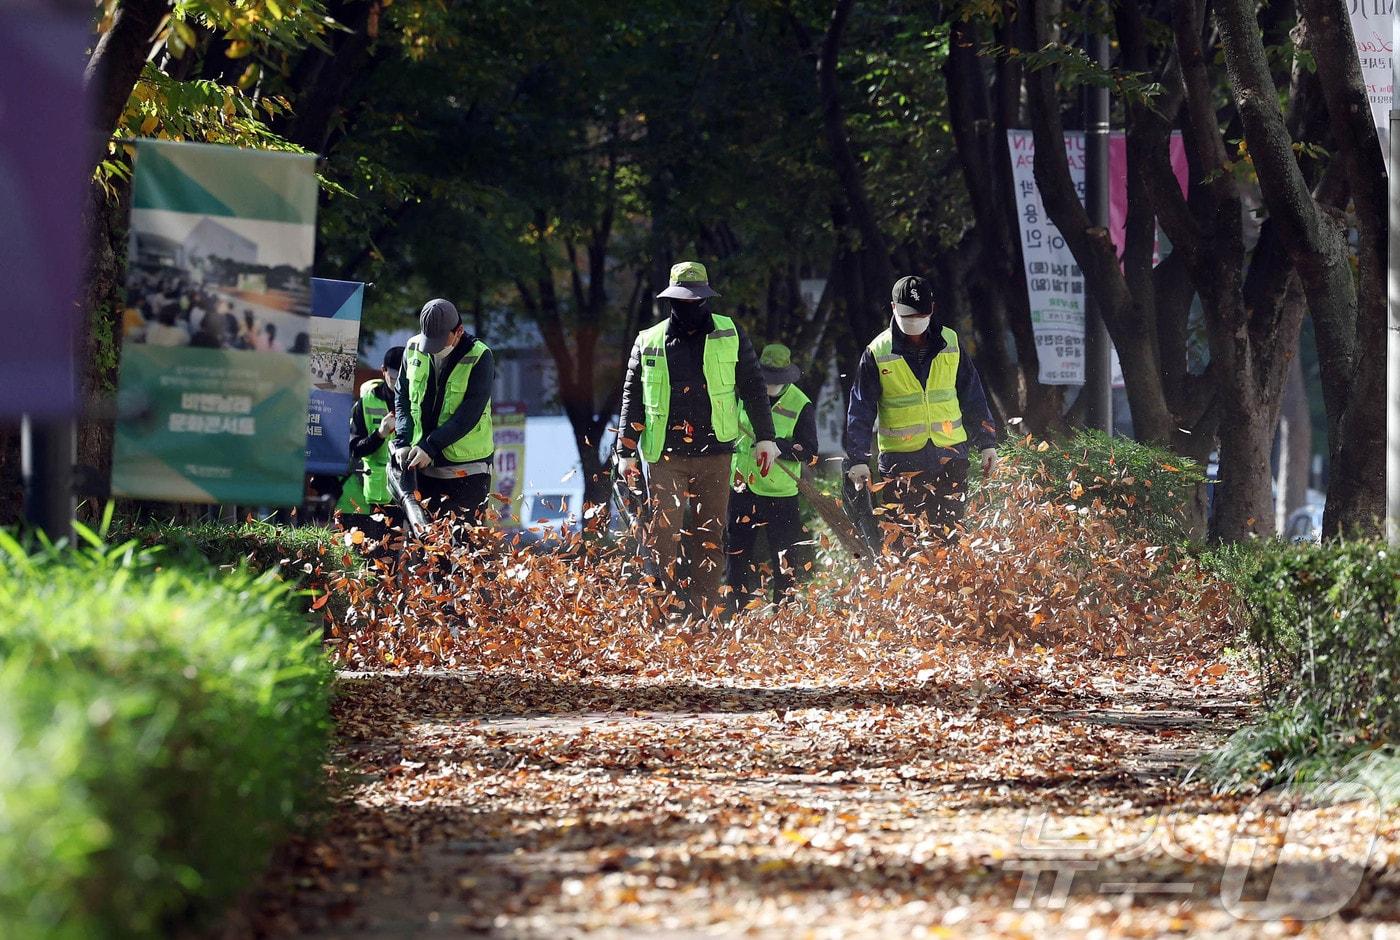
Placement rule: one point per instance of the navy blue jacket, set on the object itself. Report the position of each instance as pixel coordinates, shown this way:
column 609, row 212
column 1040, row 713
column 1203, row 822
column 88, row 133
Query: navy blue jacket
column 863, row 408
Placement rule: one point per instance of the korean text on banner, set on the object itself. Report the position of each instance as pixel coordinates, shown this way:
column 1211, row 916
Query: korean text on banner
column 44, row 153
column 335, row 342
column 212, row 400
column 1371, row 25
column 508, row 425
column 1054, row 281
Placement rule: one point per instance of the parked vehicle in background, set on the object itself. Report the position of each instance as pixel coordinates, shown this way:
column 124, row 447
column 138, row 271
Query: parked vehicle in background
column 553, row 480
column 1305, row 523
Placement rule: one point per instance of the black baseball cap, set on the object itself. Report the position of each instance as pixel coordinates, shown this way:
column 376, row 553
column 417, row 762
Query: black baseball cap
column 914, row 292
column 393, row 358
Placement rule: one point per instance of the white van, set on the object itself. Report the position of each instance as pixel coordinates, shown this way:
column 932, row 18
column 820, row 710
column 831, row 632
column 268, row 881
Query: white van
column 553, row 480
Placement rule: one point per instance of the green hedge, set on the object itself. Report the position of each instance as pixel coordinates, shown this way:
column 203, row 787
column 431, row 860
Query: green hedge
column 1145, row 489
column 163, row 729
column 294, row 552
column 1322, row 620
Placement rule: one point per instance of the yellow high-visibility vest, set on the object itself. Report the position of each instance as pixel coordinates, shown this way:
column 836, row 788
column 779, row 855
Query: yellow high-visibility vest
column 913, row 415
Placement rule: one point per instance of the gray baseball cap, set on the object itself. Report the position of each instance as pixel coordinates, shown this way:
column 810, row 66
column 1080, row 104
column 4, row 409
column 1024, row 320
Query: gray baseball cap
column 436, row 321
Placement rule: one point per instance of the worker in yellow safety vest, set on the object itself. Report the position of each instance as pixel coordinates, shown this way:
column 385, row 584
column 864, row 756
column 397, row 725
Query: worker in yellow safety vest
column 930, row 407
column 442, row 406
column 769, row 504
column 687, row 378
column 365, row 503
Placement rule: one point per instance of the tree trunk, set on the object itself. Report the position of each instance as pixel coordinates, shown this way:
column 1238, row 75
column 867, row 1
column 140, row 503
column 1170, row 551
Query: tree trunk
column 877, row 273
column 1131, row 319
column 1244, row 507
column 116, row 63
column 1355, row 357
column 998, row 277
column 1294, row 445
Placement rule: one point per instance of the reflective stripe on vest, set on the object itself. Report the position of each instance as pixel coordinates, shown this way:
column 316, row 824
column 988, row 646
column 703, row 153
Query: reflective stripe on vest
column 479, row 442
column 375, row 467
column 914, row 415
column 721, row 359
column 786, row 411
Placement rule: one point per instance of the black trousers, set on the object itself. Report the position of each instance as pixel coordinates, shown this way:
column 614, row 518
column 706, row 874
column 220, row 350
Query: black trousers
column 464, row 497
column 931, row 498
column 780, row 518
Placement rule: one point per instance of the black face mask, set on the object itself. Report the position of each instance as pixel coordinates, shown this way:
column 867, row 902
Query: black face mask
column 690, row 316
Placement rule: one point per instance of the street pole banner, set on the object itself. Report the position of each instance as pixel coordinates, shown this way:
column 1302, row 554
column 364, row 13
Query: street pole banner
column 335, row 343
column 1371, row 27
column 212, row 400
column 44, row 150
column 508, row 478
column 1054, row 281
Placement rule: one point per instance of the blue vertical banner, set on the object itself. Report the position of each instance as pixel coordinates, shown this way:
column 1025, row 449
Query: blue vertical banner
column 45, row 165
column 335, row 343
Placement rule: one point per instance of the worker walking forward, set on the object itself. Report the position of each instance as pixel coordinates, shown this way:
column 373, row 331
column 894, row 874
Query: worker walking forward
column 443, row 414
column 680, row 408
column 365, row 502
column 769, row 504
column 929, row 402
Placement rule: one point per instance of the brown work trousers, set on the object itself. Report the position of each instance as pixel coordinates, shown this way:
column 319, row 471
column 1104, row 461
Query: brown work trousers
column 690, row 555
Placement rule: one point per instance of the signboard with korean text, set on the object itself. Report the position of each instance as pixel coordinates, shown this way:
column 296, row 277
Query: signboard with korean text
column 1371, row 27
column 1054, row 281
column 331, row 361
column 507, row 479
column 213, row 391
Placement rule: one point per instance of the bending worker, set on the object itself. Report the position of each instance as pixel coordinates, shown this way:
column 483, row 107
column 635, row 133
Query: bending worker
column 770, row 503
column 365, row 502
column 685, row 379
column 930, row 405
column 443, row 413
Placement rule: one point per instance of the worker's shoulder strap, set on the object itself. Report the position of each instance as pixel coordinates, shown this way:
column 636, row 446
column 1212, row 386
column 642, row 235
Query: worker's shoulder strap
column 654, row 336
column 370, row 389
column 477, row 350
column 724, row 327
column 791, row 402
column 882, row 347
column 950, row 340
column 415, row 344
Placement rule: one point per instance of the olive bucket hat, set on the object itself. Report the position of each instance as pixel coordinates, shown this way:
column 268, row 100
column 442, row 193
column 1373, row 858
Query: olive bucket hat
column 689, row 281
column 775, row 362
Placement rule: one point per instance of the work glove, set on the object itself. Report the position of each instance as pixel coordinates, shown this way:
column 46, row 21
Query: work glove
column 631, row 470
column 765, row 454
column 386, row 425
column 415, row 458
column 989, row 461
column 859, row 475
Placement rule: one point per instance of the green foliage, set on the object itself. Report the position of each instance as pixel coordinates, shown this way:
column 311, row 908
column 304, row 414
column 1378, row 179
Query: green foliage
column 162, row 731
column 300, row 555
column 1143, row 489
column 1322, row 622
column 1077, row 70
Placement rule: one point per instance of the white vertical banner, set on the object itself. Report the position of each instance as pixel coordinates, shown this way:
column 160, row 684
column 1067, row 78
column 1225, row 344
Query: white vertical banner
column 1054, row 283
column 1370, row 23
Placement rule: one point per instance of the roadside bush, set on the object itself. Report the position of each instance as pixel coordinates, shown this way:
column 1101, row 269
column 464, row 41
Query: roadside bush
column 298, row 554
column 1143, row 490
column 163, row 730
column 1322, row 621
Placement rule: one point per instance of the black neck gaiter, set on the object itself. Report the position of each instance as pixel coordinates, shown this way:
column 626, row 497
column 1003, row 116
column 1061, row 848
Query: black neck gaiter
column 690, row 316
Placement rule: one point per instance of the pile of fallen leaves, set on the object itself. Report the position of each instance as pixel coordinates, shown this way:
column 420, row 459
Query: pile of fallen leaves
column 1026, row 571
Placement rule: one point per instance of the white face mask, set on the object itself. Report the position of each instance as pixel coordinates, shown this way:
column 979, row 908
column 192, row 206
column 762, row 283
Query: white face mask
column 775, row 390
column 913, row 326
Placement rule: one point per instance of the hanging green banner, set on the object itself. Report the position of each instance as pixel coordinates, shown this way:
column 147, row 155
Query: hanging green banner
column 212, row 400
